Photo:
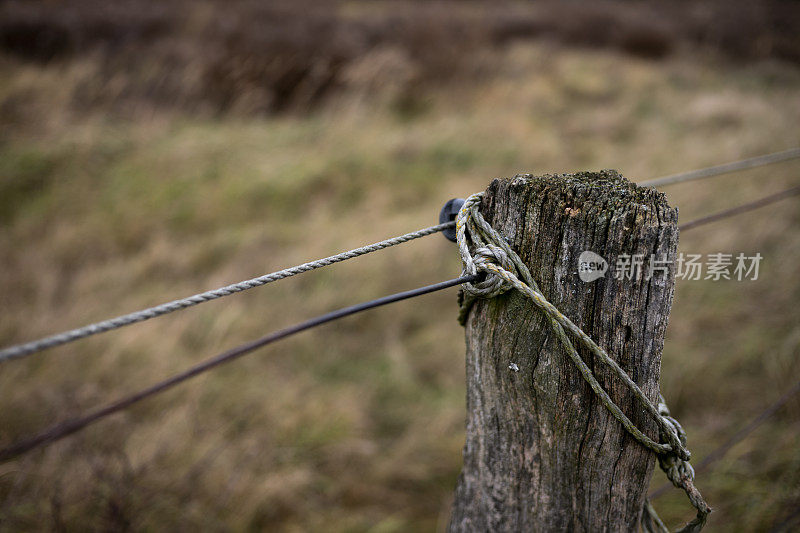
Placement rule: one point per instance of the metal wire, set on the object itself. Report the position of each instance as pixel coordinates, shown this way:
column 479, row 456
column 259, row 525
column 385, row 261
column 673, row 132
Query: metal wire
column 66, row 428
column 69, row 427
column 752, row 162
column 720, row 451
column 743, row 208
column 21, row 350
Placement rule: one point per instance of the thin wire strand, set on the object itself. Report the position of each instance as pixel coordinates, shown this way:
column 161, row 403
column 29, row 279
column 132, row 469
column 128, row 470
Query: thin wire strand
column 66, row 428
column 720, row 451
column 702, row 173
column 71, row 426
column 21, row 350
column 743, row 208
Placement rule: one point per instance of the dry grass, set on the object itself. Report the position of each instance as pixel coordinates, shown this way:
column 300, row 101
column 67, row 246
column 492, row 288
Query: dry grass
column 248, row 57
column 358, row 426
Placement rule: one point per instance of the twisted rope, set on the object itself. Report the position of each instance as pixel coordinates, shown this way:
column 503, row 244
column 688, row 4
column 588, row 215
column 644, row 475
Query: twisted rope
column 484, row 250
column 22, row 350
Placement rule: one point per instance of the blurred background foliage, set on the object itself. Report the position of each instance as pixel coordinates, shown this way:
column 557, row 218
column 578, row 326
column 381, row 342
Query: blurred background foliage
column 149, row 150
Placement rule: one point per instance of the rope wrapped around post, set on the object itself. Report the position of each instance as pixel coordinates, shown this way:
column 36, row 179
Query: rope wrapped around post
column 484, row 250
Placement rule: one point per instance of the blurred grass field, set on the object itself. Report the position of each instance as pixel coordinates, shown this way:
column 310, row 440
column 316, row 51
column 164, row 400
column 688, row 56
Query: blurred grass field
column 358, row 426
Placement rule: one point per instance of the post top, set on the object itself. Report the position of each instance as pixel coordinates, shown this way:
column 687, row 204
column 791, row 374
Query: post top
column 607, row 187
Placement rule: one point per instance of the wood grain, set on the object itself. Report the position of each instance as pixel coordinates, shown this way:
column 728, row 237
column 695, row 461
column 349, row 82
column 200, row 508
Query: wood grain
column 541, row 453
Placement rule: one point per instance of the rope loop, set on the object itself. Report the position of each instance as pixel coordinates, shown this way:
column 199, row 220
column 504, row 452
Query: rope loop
column 483, row 249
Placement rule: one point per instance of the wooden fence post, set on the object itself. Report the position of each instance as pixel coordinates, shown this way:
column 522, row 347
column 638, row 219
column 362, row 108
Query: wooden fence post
column 542, row 453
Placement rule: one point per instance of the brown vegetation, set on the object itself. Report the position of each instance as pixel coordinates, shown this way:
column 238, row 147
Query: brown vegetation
column 251, row 56
column 151, row 150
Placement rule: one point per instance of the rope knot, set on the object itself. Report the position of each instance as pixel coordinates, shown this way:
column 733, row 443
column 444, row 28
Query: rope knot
column 674, row 463
column 487, row 259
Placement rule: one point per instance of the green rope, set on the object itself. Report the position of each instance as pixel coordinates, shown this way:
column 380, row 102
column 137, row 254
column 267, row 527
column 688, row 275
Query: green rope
column 484, row 250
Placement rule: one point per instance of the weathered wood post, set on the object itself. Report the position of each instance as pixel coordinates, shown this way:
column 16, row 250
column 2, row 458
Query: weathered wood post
column 542, row 453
